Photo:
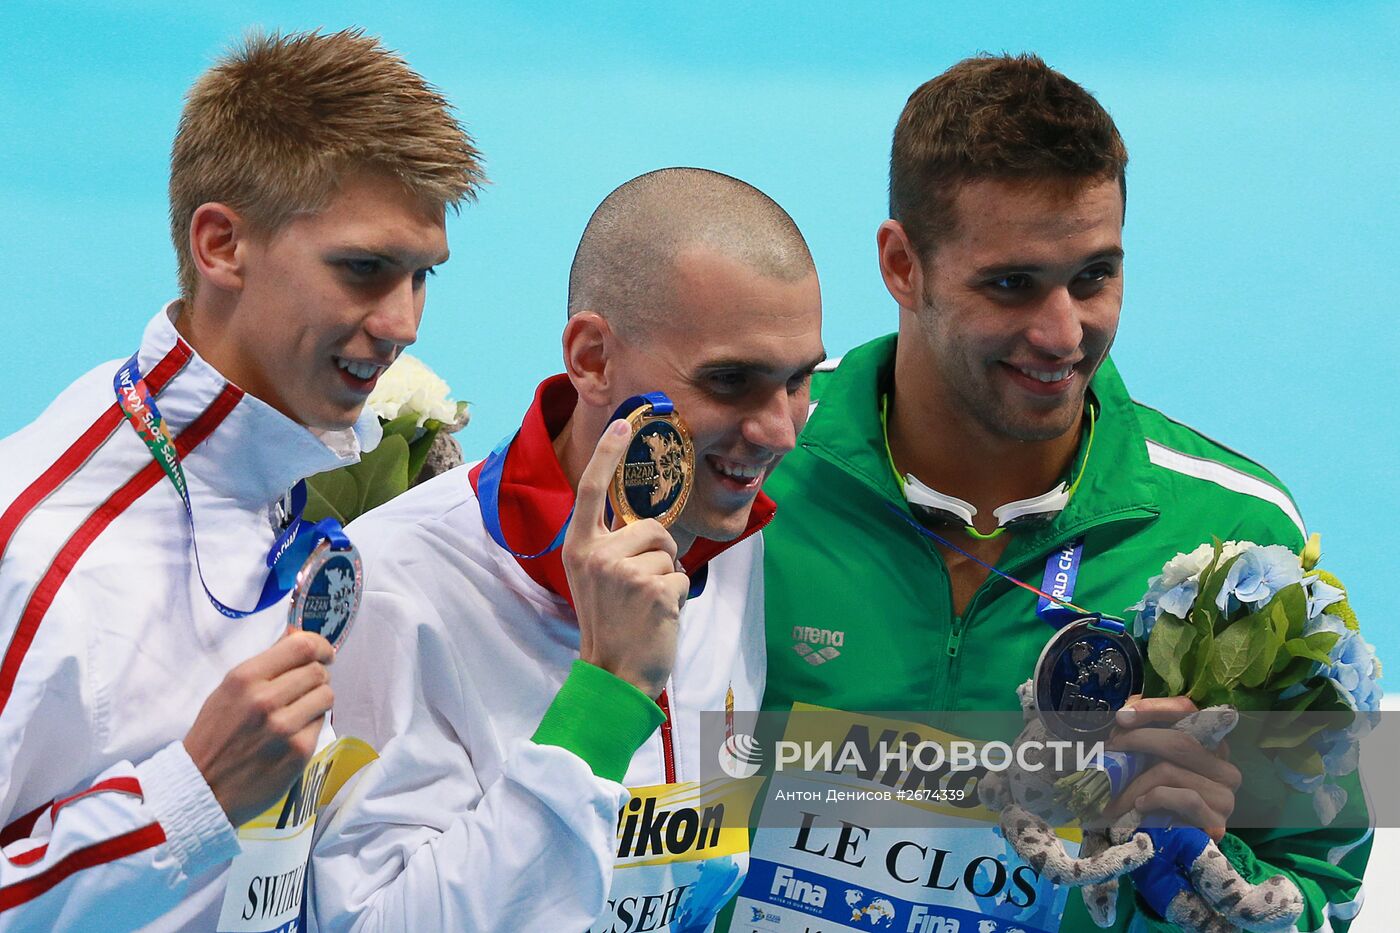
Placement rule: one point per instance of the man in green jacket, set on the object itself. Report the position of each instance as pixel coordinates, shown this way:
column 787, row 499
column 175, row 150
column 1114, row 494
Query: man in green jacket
column 996, row 398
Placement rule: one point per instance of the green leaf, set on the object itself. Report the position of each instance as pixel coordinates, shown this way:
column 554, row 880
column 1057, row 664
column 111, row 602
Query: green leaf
column 331, row 495
column 1304, row 760
column 1166, row 651
column 418, row 450
column 1293, row 603
column 1302, row 648
column 1264, row 648
column 1292, row 737
column 1322, row 641
column 322, row 496
column 405, row 426
column 1211, row 583
column 1282, row 624
column 1302, row 701
column 1253, row 698
column 1236, row 649
column 383, row 473
column 1295, row 670
column 1200, row 677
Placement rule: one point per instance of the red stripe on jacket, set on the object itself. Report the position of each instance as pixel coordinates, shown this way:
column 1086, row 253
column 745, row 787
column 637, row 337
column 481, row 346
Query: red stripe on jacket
column 109, row 850
column 120, row 785
column 94, row 525
column 84, row 447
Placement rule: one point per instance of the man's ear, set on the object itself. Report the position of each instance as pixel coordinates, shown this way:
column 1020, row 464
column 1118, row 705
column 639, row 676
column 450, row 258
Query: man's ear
column 218, row 243
column 588, row 340
column 900, row 265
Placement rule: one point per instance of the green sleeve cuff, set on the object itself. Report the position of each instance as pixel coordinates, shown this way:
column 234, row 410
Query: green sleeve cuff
column 600, row 718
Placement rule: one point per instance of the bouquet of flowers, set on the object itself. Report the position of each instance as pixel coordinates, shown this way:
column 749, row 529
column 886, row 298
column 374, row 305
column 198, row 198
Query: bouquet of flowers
column 419, row 416
column 1257, row 628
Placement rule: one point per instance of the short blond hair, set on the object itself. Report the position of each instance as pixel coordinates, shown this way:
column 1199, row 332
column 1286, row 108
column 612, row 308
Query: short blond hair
column 273, row 124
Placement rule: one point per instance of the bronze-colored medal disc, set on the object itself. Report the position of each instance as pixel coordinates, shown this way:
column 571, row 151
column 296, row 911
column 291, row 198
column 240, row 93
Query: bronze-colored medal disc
column 653, row 480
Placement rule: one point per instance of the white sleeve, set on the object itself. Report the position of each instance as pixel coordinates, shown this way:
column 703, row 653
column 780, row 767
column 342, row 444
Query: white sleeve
column 416, row 842
column 114, row 854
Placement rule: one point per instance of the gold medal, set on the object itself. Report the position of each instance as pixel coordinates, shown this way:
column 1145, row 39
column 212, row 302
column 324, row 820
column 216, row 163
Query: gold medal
column 653, row 480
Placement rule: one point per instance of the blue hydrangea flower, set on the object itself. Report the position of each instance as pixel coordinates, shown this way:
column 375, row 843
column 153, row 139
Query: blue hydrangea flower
column 1324, row 622
column 1354, row 670
column 1178, row 600
column 1321, row 595
column 1178, row 583
column 1258, row 575
column 1328, row 801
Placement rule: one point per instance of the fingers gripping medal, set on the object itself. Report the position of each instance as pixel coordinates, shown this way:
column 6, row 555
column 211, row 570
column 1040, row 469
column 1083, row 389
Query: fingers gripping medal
column 327, row 591
column 653, row 480
column 1085, row 674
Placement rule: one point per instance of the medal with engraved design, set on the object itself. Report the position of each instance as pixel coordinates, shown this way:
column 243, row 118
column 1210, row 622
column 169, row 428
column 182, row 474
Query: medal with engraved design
column 327, row 592
column 653, row 480
column 1085, row 674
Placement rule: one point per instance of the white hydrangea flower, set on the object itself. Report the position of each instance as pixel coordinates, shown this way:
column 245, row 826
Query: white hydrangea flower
column 1183, row 567
column 410, row 386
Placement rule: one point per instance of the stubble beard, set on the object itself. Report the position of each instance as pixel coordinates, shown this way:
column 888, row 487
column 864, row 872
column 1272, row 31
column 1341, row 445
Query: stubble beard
column 973, row 389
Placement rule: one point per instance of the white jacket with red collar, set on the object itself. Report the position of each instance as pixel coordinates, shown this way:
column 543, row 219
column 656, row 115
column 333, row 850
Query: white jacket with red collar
column 494, row 805
column 110, row 646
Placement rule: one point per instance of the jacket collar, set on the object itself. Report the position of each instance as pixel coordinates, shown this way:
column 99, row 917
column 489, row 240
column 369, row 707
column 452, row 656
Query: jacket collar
column 257, row 453
column 844, row 429
column 536, row 497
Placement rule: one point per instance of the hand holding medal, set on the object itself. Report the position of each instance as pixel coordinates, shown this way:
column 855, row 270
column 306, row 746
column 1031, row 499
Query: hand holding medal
column 625, row 580
column 653, row 480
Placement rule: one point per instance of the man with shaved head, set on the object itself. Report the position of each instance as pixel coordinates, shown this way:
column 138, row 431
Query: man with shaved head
column 536, row 664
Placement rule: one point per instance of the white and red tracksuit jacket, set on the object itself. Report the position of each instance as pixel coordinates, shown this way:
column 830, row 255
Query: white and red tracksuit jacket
column 503, row 761
column 110, row 646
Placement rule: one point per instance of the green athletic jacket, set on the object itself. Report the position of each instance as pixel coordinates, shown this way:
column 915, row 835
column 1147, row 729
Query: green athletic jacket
column 839, row 561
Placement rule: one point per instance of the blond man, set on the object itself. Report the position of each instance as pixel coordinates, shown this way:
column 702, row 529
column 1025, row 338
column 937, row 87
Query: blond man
column 152, row 700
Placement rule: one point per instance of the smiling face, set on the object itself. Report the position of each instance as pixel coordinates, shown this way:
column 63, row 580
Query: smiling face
column 735, row 352
column 1021, row 303
column 328, row 300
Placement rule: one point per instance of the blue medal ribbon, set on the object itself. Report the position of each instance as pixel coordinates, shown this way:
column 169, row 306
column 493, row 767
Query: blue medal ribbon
column 1061, row 575
column 292, row 547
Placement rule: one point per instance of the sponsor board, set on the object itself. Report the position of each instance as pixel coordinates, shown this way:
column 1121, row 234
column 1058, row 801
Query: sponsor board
column 682, row 850
column 267, row 881
column 825, row 870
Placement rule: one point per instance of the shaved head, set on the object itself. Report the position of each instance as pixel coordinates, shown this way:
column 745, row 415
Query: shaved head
column 625, row 266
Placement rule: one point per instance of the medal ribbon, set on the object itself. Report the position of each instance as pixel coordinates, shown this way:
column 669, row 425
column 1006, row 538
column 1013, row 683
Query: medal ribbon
column 1055, row 611
column 292, row 546
column 488, row 484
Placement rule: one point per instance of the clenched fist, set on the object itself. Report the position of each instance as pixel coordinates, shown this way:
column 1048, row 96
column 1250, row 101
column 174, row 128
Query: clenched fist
column 627, row 586
column 259, row 727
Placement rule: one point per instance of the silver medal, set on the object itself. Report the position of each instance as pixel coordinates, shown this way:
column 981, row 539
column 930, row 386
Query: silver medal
column 1085, row 674
column 327, row 592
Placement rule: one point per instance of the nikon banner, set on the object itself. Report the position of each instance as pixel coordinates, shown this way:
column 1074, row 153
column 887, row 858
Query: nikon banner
column 681, row 850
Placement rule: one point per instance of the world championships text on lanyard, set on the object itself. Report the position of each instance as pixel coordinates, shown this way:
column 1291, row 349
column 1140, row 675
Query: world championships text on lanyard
column 315, row 562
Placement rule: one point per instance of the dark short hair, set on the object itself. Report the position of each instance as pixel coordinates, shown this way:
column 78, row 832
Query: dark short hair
column 994, row 116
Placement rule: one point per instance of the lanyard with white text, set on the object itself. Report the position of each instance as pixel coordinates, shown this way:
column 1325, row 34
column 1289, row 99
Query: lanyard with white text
column 292, row 546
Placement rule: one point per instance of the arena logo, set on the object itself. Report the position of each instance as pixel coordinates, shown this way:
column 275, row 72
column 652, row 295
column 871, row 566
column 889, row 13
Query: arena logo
column 817, row 645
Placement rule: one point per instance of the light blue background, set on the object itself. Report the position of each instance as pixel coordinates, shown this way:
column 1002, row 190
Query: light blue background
column 1262, row 223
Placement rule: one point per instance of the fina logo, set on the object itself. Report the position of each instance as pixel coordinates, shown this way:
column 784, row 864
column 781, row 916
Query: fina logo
column 740, row 756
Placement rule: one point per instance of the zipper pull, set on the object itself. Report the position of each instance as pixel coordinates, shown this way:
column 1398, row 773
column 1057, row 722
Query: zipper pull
column 955, row 637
